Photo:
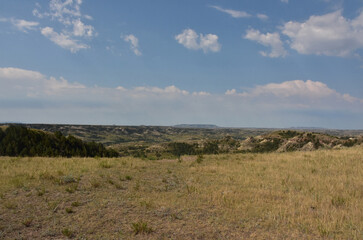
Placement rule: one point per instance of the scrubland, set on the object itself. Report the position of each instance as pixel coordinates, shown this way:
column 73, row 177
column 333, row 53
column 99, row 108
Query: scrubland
column 294, row 195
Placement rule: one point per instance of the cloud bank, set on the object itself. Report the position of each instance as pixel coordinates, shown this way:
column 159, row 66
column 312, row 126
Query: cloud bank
column 30, row 96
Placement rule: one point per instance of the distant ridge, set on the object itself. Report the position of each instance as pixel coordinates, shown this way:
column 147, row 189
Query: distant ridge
column 308, row 128
column 210, row 126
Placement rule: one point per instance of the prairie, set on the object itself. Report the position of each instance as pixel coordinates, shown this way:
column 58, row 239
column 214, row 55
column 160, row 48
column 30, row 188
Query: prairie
column 293, row 195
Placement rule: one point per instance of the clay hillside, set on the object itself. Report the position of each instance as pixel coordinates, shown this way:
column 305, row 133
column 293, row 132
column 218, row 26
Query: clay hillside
column 286, row 141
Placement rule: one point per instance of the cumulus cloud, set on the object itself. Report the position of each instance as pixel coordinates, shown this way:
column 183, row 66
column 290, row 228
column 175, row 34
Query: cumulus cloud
column 269, row 40
column 191, row 40
column 232, row 13
column 134, row 43
column 74, row 30
column 63, row 40
column 285, row 1
column 330, row 34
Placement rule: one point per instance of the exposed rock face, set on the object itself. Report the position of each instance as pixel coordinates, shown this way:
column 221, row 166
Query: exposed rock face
column 308, row 147
column 286, row 141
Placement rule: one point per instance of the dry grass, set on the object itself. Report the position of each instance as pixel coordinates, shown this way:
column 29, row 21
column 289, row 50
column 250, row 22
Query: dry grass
column 302, row 195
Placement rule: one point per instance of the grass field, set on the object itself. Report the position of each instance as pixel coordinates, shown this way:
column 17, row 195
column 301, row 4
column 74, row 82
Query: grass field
column 298, row 195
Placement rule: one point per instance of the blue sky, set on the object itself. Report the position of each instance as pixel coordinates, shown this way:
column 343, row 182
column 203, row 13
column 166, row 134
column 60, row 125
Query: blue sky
column 271, row 63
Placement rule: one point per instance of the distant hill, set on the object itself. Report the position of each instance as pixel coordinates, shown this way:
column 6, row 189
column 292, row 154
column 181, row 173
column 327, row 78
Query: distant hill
column 114, row 135
column 125, row 135
column 211, row 126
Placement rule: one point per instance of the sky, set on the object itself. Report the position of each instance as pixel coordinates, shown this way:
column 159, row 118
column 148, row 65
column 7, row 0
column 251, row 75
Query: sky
column 233, row 63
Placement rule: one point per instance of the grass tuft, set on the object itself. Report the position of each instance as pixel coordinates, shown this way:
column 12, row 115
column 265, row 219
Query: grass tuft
column 105, row 164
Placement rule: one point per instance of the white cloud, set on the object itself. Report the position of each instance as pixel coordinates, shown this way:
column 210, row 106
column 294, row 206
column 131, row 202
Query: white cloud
column 231, row 92
column 80, row 29
column 88, row 17
column 201, row 93
column 296, row 91
column 17, row 73
column 73, row 31
column 134, row 43
column 63, row 40
column 262, row 16
column 308, row 89
column 30, row 96
column 24, row 25
column 188, row 38
column 239, row 14
column 65, row 10
column 21, row 24
column 233, row 13
column 18, row 82
column 269, row 40
column 330, row 34
column 191, row 40
column 285, row 1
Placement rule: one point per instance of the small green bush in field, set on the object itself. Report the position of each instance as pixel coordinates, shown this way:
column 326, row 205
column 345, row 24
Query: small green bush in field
column 141, row 227
column 68, row 233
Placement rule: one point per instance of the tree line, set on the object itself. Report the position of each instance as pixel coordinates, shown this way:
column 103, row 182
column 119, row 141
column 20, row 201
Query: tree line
column 21, row 141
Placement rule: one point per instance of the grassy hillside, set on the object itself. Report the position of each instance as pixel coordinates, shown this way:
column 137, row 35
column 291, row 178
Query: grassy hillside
column 146, row 135
column 293, row 195
column 18, row 140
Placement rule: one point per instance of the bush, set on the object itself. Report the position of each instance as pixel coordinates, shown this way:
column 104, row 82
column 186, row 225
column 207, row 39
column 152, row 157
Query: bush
column 182, row 148
column 141, row 227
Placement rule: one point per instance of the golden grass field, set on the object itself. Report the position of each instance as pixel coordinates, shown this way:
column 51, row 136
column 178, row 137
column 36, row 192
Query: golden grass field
column 298, row 195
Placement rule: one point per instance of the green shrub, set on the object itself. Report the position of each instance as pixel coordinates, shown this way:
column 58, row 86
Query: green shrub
column 68, row 233
column 141, row 227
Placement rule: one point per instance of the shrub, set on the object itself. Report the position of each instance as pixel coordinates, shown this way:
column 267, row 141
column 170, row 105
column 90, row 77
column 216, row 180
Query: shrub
column 68, row 233
column 69, row 210
column 141, row 227
column 27, row 222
